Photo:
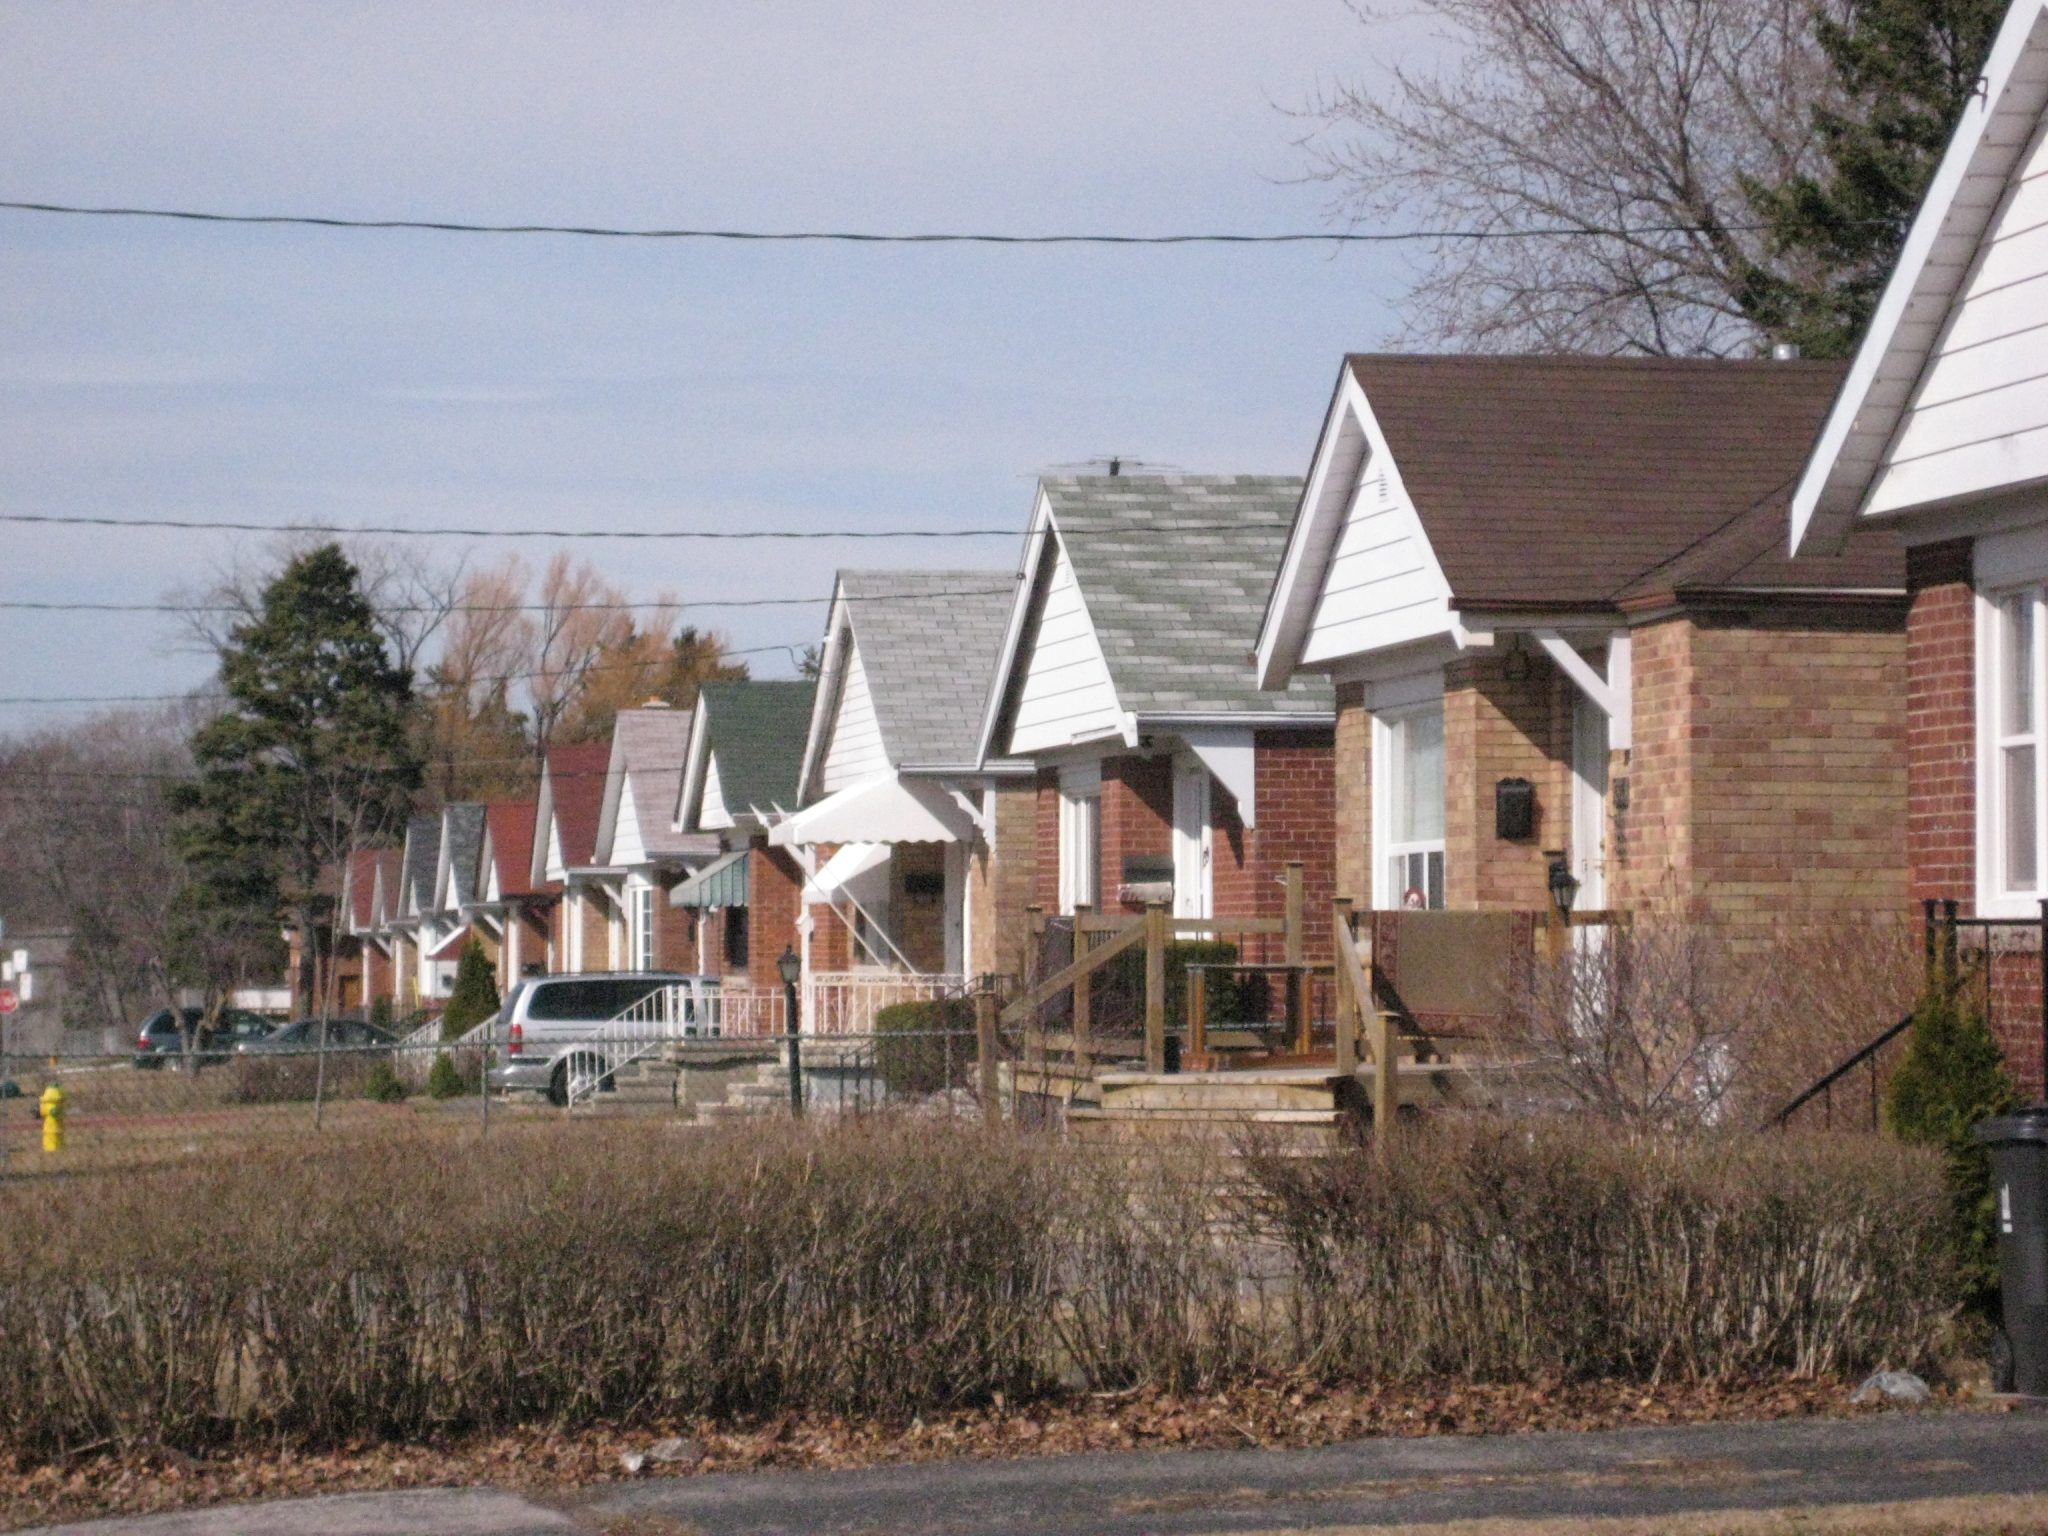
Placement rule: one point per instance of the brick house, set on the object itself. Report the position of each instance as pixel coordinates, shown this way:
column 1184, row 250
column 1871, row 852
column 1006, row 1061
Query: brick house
column 457, row 869
column 1554, row 599
column 512, row 912
column 1940, row 439
column 585, row 932
column 368, row 951
column 740, row 778
column 638, row 844
column 1160, row 771
column 904, row 836
column 409, row 922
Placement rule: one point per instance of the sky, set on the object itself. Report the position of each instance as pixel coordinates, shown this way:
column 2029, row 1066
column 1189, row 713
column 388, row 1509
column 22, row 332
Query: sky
column 289, row 375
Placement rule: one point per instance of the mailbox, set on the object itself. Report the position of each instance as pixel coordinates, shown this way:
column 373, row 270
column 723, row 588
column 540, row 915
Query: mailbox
column 1514, row 810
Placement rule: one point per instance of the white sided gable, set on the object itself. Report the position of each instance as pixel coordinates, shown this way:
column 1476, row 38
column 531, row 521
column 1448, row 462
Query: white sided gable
column 557, row 867
column 628, row 846
column 1066, row 695
column 1947, row 399
column 1359, row 575
column 712, row 814
column 856, row 752
column 1978, row 421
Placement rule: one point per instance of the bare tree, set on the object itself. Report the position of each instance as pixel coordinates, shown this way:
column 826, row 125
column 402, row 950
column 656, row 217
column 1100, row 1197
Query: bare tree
column 478, row 745
column 577, row 624
column 1598, row 149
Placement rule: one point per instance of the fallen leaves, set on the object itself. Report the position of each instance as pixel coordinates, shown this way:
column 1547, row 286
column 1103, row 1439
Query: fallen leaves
column 1266, row 1414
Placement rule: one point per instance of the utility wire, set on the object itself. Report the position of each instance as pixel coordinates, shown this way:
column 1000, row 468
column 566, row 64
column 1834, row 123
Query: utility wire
column 652, row 604
column 209, row 525
column 860, row 237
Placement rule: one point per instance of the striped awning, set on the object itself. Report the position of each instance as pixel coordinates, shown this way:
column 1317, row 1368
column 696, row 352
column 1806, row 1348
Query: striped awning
column 721, row 883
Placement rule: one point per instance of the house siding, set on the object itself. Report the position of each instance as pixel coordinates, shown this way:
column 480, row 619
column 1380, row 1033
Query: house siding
column 1003, row 880
column 1497, row 727
column 1382, row 580
column 1941, row 739
column 774, row 886
column 1066, row 694
column 856, row 752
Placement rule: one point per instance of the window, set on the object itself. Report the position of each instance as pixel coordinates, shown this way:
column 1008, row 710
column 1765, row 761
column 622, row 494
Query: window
column 1080, row 838
column 736, row 938
column 1408, row 807
column 640, row 926
column 2011, row 722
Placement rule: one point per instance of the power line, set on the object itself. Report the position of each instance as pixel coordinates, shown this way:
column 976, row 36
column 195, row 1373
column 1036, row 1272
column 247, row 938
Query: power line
column 736, row 535
column 652, row 604
column 866, row 237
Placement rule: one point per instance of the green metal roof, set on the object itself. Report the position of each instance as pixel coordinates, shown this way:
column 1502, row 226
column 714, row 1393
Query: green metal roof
column 756, row 730
column 721, row 883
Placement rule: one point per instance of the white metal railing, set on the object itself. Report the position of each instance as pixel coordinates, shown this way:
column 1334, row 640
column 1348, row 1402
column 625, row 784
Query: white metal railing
column 663, row 1015
column 846, row 1002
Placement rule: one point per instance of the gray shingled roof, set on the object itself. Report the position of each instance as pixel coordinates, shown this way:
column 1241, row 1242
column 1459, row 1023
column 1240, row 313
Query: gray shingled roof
column 464, row 825
column 757, row 733
column 929, row 641
column 422, row 856
column 652, row 743
column 1175, row 570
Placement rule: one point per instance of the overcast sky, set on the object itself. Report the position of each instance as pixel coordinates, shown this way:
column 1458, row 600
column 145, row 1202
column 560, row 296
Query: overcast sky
column 281, row 375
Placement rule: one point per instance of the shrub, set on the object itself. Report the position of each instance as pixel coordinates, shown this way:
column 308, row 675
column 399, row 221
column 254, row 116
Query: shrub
column 1234, row 997
column 894, row 1267
column 381, row 1013
column 913, row 1054
column 475, row 994
column 381, row 1084
column 1953, row 1075
column 444, row 1078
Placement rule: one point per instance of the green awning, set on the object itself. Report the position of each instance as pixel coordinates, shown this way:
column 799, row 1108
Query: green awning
column 721, row 883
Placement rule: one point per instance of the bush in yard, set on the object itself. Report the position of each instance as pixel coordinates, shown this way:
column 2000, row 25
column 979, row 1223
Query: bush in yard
column 381, row 1084
column 444, row 1078
column 893, row 1266
column 475, row 995
column 1953, row 1075
column 381, row 1013
column 1234, row 997
column 925, row 1047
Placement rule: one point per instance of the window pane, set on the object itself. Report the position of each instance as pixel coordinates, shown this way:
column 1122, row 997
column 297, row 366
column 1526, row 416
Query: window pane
column 2021, row 873
column 2016, row 641
column 1419, row 750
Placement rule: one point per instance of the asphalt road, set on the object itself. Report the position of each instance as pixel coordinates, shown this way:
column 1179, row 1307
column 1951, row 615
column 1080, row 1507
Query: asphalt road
column 1641, row 1472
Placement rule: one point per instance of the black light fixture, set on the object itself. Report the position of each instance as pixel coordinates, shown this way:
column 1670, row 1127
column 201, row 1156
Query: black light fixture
column 1514, row 665
column 1564, row 885
column 789, row 968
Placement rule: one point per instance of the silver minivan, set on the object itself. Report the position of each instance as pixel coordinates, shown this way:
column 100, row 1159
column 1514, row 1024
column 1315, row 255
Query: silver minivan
column 554, row 1033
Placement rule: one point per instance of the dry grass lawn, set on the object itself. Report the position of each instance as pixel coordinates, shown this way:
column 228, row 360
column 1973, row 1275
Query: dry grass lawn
column 1995, row 1516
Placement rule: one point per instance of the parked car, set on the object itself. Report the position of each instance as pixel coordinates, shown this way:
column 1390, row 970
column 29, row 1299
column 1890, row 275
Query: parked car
column 161, row 1039
column 303, row 1035
column 555, row 1028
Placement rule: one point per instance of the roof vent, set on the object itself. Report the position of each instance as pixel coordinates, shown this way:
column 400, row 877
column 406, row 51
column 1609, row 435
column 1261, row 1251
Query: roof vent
column 1784, row 351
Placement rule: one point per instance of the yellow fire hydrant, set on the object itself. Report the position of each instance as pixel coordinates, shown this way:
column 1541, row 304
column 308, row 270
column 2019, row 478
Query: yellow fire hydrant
column 54, row 1103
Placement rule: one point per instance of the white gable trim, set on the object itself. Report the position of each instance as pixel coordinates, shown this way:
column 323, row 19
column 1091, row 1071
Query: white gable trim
column 713, row 814
column 1376, row 543
column 556, row 868
column 1941, row 252
column 688, row 815
column 1064, row 695
column 628, row 846
column 608, row 816
column 825, row 706
column 854, row 746
column 1043, row 555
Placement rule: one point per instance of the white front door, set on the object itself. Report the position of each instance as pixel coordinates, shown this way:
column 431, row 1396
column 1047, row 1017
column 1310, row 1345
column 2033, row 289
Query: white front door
column 1193, row 841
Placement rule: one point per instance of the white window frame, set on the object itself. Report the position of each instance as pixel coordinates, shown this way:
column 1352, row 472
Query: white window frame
column 640, row 924
column 1385, row 894
column 1081, row 837
column 1997, row 894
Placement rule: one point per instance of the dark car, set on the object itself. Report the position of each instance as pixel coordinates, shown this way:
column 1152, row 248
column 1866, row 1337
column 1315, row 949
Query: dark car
column 303, row 1035
column 161, row 1039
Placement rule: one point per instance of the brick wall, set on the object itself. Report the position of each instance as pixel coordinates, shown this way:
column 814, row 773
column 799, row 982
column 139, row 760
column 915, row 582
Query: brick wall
column 917, row 904
column 1351, row 796
column 675, row 930
column 1009, row 876
column 1941, row 745
column 774, row 885
column 1045, row 883
column 1297, row 818
column 1768, row 778
column 1500, row 727
column 1137, row 820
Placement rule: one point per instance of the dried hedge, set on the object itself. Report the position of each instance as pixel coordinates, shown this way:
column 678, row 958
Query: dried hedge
column 393, row 1289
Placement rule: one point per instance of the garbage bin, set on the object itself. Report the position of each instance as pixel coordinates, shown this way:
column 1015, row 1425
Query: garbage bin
column 2019, row 1182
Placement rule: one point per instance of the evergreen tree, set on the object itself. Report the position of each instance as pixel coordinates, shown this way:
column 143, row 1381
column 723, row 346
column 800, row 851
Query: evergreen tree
column 1903, row 69
column 311, row 758
column 444, row 1078
column 1953, row 1076
column 475, row 997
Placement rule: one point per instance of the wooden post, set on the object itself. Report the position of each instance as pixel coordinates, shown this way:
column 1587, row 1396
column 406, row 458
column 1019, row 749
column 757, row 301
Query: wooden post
column 1294, row 913
column 1155, row 987
column 1084, row 998
column 1198, row 1019
column 1034, row 952
column 1346, row 995
column 1385, row 1086
column 985, row 1049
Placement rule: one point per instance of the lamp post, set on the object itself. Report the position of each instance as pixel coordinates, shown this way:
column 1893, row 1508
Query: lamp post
column 789, row 967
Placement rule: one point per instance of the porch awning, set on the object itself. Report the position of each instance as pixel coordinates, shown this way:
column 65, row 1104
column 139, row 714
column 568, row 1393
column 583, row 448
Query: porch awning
column 721, row 883
column 849, row 863
column 884, row 809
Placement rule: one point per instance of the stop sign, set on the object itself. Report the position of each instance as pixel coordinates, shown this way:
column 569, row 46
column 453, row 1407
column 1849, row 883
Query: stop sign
column 8, row 1001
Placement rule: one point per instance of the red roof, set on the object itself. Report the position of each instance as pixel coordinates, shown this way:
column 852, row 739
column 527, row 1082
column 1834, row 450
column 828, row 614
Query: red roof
column 576, row 779
column 511, row 824
column 362, row 887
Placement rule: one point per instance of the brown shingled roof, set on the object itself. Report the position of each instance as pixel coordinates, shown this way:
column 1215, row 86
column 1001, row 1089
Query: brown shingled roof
column 1575, row 482
column 512, row 824
column 576, row 777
